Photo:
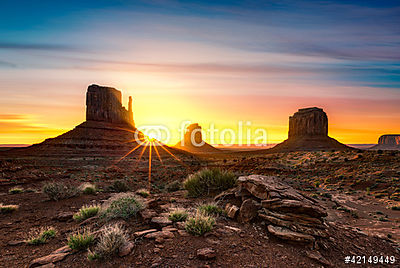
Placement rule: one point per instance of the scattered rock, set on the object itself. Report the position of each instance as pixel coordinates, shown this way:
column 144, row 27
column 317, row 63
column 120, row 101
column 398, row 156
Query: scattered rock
column 248, row 210
column 48, row 259
column 64, row 216
column 160, row 222
column 125, row 249
column 53, row 257
column 147, row 214
column 206, row 253
column 316, row 255
column 231, row 210
column 286, row 234
column 15, row 243
column 145, row 232
column 160, row 234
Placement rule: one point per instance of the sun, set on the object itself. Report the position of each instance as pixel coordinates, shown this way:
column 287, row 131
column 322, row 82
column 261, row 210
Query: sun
column 152, row 137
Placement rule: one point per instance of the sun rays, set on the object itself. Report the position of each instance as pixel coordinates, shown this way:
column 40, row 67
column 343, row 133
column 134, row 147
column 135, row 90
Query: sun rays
column 152, row 144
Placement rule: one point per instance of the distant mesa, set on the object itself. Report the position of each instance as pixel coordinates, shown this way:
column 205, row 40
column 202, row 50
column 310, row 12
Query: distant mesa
column 388, row 142
column 193, row 141
column 308, row 131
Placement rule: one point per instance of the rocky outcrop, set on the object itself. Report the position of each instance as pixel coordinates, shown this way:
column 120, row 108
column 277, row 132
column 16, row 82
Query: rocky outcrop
column 104, row 104
column 388, row 142
column 308, row 122
column 289, row 215
column 308, row 131
column 193, row 141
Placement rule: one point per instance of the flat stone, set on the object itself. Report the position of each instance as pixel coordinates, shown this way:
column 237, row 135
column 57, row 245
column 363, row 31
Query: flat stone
column 169, row 229
column 64, row 216
column 125, row 249
column 160, row 234
column 15, row 243
column 298, row 207
column 147, row 214
column 206, row 253
column 145, row 232
column 48, row 259
column 286, row 234
column 64, row 249
column 316, row 255
column 183, row 233
column 160, row 222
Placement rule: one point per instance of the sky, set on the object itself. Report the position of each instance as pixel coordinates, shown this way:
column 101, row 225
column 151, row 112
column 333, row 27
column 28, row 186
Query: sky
column 210, row 62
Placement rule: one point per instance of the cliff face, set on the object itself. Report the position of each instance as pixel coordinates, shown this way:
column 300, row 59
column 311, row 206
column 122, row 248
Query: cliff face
column 104, row 104
column 390, row 139
column 308, row 122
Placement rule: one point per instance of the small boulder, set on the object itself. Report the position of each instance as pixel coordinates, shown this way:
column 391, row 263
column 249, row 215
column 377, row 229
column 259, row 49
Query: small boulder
column 286, row 234
column 206, row 253
column 248, row 210
column 145, row 232
column 125, row 249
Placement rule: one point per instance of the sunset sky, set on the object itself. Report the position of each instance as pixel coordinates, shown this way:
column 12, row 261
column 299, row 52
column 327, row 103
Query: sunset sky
column 208, row 62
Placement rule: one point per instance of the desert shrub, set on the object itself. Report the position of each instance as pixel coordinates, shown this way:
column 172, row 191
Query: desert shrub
column 111, row 238
column 8, row 208
column 143, row 193
column 57, row 190
column 81, row 239
column 119, row 186
column 86, row 212
column 199, row 224
column 88, row 188
column 178, row 215
column 173, row 186
column 210, row 209
column 208, row 181
column 16, row 190
column 122, row 206
column 40, row 235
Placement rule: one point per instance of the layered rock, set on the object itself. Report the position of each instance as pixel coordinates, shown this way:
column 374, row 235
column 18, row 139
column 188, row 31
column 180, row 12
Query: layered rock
column 104, row 104
column 308, row 131
column 289, row 214
column 193, row 141
column 388, row 142
column 308, row 122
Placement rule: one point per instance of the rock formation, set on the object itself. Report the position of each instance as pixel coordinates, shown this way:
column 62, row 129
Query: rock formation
column 308, row 122
column 104, row 104
column 308, row 131
column 193, row 141
column 109, row 129
column 288, row 214
column 388, row 142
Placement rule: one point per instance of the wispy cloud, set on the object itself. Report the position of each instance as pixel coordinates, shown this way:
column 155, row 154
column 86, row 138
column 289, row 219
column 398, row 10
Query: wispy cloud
column 35, row 46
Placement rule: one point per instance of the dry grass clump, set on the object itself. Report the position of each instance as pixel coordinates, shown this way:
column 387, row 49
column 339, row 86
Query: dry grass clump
column 119, row 186
column 8, row 208
column 199, row 224
column 178, row 215
column 111, row 238
column 86, row 212
column 57, row 190
column 211, row 209
column 124, row 205
column 40, row 235
column 207, row 181
column 16, row 190
column 87, row 188
column 143, row 193
column 81, row 239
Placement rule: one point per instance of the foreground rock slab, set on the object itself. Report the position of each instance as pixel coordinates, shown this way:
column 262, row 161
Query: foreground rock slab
column 55, row 256
column 288, row 213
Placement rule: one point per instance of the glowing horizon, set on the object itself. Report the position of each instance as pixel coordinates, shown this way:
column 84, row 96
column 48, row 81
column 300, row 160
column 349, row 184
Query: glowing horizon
column 208, row 63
